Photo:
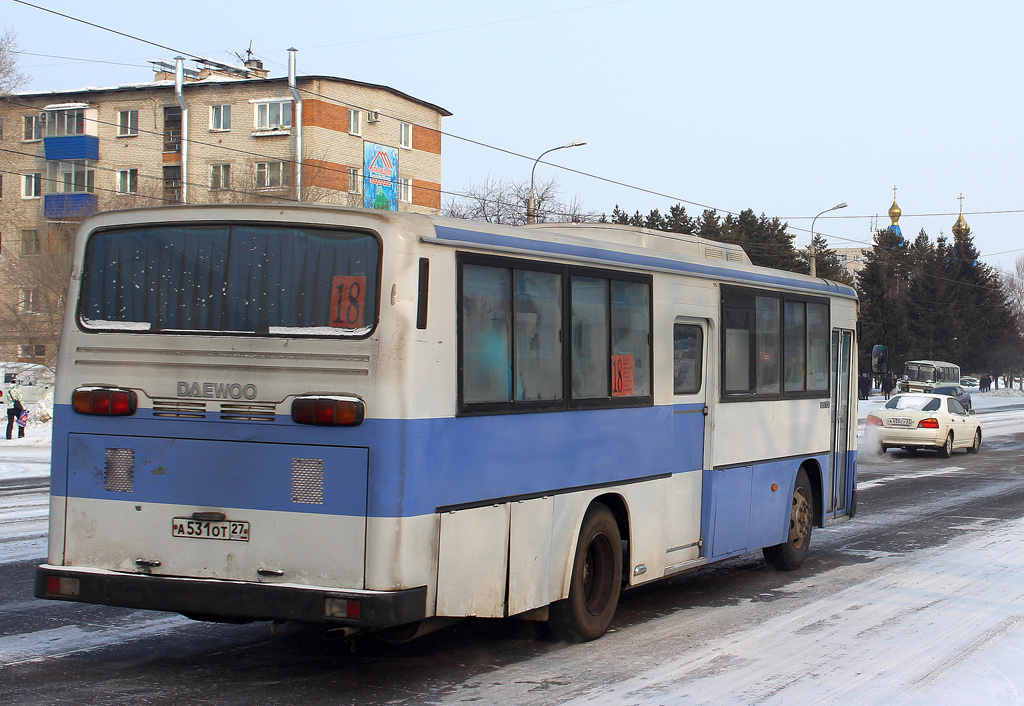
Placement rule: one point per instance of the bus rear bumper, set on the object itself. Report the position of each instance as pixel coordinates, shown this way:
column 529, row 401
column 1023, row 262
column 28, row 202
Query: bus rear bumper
column 232, row 600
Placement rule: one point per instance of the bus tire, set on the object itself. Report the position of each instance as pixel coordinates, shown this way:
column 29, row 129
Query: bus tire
column 595, row 582
column 790, row 555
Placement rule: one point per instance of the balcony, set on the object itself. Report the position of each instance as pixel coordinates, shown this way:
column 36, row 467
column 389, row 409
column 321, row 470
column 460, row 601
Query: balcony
column 63, row 147
column 71, row 205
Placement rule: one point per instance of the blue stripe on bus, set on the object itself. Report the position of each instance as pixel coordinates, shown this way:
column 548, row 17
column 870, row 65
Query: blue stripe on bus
column 647, row 261
column 408, row 467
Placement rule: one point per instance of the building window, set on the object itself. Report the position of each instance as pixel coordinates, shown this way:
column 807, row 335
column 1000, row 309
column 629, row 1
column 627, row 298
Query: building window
column 172, row 129
column 128, row 123
column 220, row 177
column 76, row 176
column 1, row 186
column 355, row 126
column 273, row 115
column 128, row 181
column 405, row 189
column 271, row 175
column 31, row 299
column 65, row 122
column 220, row 117
column 32, row 185
column 30, row 244
column 355, row 184
column 1, row 128
column 31, row 350
column 172, row 184
column 34, row 125
column 405, row 135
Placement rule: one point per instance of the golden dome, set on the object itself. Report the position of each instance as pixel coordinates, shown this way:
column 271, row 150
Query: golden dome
column 894, row 212
column 960, row 227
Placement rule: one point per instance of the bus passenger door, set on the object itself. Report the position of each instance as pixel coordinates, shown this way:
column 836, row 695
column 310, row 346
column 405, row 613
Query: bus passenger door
column 691, row 380
column 841, row 375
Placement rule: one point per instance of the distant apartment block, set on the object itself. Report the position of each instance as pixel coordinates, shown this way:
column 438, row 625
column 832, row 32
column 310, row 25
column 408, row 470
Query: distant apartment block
column 215, row 134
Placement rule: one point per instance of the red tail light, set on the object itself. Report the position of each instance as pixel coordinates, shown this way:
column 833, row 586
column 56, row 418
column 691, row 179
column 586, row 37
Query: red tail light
column 109, row 401
column 329, row 410
column 873, row 421
column 930, row 423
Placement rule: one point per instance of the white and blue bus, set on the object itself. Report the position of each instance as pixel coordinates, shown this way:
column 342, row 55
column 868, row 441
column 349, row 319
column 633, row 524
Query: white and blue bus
column 388, row 421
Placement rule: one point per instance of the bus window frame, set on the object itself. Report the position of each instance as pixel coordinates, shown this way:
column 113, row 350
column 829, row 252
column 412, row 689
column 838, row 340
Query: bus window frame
column 782, row 297
column 567, row 402
column 80, row 304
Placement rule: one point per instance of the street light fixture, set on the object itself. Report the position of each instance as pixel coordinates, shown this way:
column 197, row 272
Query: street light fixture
column 814, row 269
column 531, row 209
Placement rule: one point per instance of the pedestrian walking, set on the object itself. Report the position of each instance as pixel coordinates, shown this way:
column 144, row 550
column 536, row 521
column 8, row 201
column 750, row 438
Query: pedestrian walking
column 887, row 385
column 864, row 386
column 15, row 406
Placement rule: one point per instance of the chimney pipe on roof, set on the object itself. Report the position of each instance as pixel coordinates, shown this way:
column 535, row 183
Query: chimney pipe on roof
column 296, row 119
column 179, row 80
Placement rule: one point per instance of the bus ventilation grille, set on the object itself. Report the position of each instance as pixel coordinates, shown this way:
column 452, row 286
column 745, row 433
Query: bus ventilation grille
column 308, row 481
column 734, row 256
column 119, row 470
column 256, row 412
column 171, row 407
column 713, row 253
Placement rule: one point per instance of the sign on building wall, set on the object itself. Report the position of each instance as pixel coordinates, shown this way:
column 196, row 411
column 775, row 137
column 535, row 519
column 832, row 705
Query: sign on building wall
column 380, row 177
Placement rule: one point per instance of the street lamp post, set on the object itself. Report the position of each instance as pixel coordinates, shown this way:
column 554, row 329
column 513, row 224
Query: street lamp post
column 531, row 209
column 814, row 267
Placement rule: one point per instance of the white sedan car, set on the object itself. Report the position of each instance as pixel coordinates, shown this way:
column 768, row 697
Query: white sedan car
column 912, row 421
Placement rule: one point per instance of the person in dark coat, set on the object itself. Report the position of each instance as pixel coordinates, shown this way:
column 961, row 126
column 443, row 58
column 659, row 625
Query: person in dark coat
column 887, row 385
column 864, row 386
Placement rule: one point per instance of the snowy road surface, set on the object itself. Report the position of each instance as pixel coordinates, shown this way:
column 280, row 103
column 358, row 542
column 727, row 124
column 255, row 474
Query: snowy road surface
column 919, row 600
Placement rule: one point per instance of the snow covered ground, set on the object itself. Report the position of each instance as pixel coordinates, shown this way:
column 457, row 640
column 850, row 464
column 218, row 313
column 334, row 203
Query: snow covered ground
column 943, row 625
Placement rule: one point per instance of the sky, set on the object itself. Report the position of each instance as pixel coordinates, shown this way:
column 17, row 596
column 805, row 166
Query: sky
column 785, row 108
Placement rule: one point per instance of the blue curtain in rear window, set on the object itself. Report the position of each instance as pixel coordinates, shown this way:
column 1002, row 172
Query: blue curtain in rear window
column 246, row 278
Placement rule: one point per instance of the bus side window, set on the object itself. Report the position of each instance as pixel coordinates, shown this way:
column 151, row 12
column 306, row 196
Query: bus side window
column 688, row 357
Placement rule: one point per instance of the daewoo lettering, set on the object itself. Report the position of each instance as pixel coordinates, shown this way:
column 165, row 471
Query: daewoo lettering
column 217, row 390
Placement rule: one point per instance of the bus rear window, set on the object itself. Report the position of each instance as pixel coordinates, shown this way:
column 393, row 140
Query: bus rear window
column 260, row 279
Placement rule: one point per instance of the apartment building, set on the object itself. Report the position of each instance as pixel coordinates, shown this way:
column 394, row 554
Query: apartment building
column 216, row 133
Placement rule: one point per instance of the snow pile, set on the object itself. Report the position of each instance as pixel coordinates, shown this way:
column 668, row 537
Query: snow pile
column 41, row 413
column 1001, row 392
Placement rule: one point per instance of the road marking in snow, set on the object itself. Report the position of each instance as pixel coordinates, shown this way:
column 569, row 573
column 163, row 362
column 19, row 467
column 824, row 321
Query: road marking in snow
column 72, row 639
column 912, row 475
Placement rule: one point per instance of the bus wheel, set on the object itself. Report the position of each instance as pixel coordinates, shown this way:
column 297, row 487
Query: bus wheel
column 595, row 583
column 789, row 555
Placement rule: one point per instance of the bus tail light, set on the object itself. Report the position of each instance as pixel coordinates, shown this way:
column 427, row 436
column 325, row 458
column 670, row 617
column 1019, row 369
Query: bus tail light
column 873, row 421
column 329, row 410
column 342, row 608
column 61, row 586
column 109, row 401
column 929, row 423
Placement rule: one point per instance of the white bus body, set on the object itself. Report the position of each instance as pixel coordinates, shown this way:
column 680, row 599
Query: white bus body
column 640, row 376
column 923, row 375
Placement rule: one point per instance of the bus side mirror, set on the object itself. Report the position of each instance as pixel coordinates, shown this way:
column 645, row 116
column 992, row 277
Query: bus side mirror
column 880, row 360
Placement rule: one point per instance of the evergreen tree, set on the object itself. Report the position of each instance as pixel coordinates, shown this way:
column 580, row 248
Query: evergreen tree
column 884, row 301
column 620, row 217
column 655, row 221
column 708, row 225
column 678, row 222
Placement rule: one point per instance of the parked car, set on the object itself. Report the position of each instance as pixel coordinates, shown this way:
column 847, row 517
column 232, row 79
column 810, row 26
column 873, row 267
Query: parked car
column 970, row 382
column 913, row 421
column 954, row 391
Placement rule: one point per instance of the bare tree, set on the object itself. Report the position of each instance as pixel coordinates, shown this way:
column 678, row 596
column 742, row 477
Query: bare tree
column 11, row 78
column 1013, row 288
column 506, row 201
